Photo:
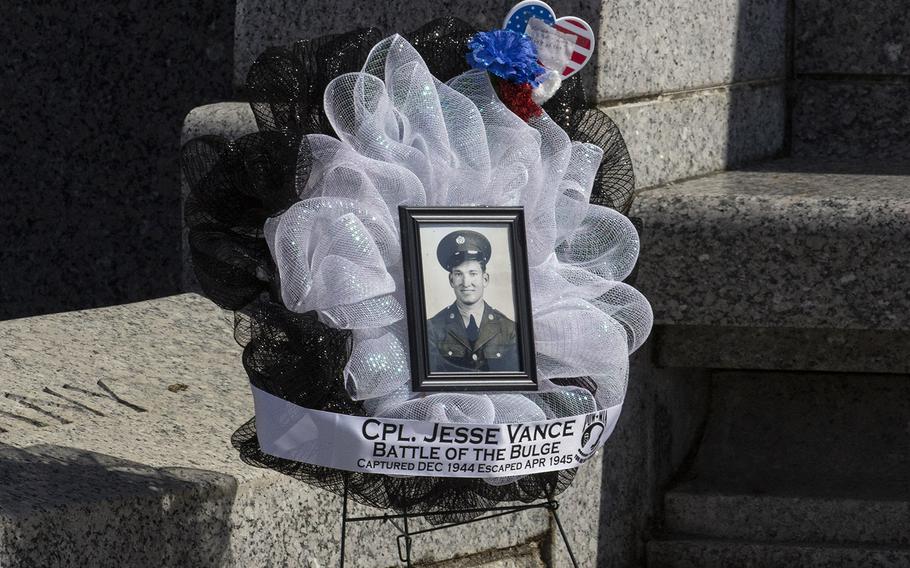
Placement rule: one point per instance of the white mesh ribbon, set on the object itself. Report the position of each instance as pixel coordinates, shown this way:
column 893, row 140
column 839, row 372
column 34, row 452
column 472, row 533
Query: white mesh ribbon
column 405, row 138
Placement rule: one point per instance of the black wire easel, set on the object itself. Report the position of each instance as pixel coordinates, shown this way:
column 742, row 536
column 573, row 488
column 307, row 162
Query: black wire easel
column 404, row 554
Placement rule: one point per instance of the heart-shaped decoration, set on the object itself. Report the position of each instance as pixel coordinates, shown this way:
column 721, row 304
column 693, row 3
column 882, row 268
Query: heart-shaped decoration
column 584, row 43
column 583, row 36
column 517, row 18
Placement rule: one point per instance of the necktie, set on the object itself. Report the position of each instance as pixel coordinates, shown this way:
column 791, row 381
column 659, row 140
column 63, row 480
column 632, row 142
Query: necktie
column 473, row 330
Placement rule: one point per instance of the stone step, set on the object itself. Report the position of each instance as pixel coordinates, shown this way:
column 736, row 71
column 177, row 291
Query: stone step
column 788, row 461
column 787, row 243
column 777, row 518
column 814, row 435
column 687, row 552
column 816, row 249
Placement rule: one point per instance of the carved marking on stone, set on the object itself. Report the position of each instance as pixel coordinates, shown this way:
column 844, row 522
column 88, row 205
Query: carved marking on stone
column 26, row 419
column 78, row 405
column 108, row 393
column 32, row 406
column 15, row 361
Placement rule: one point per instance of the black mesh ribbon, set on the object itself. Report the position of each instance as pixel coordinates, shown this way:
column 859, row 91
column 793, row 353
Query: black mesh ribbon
column 234, row 186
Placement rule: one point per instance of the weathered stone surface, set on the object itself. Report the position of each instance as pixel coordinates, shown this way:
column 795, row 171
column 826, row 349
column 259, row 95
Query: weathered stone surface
column 164, row 487
column 791, row 244
column 693, row 553
column 852, row 37
column 778, row 348
column 852, row 120
column 696, row 133
column 659, row 47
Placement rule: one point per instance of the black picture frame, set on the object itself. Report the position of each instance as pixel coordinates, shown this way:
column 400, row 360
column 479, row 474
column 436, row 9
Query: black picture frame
column 424, row 379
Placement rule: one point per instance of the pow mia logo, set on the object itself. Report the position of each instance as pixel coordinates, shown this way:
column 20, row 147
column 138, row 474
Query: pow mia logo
column 592, row 436
column 459, row 240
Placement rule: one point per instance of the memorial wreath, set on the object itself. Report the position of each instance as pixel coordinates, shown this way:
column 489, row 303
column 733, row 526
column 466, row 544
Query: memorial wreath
column 295, row 228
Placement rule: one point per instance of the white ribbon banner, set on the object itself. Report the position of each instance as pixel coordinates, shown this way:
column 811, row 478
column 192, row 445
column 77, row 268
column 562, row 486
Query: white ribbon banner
column 412, row 447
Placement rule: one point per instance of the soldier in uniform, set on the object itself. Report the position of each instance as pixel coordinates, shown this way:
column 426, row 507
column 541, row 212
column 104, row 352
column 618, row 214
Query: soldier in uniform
column 469, row 335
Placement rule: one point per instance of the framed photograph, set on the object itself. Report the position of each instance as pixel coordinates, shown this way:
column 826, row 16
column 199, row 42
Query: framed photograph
column 468, row 298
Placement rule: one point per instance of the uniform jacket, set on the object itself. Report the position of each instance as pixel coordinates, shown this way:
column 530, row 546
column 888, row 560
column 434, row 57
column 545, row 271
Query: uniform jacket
column 496, row 348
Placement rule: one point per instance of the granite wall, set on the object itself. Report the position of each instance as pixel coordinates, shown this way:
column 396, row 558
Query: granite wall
column 264, row 23
column 695, row 87
column 93, row 97
column 852, row 73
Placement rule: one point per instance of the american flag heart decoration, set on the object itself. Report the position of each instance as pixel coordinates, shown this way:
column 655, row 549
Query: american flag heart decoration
column 518, row 16
column 584, row 43
column 580, row 32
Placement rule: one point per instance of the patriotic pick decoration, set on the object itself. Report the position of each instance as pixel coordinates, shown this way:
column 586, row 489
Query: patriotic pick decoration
column 506, row 54
column 577, row 31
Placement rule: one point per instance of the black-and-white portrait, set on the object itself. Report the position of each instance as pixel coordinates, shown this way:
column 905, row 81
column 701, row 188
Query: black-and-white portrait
column 469, row 296
column 468, row 299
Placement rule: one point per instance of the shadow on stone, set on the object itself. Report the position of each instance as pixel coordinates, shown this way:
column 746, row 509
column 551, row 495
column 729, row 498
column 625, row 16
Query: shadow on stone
column 63, row 506
column 757, row 121
column 867, row 166
column 94, row 98
column 660, row 427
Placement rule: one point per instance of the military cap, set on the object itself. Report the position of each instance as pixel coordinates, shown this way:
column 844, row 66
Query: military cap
column 459, row 246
